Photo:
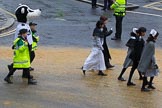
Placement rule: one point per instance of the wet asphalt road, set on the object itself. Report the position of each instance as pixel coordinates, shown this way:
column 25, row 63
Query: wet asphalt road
column 70, row 23
column 61, row 83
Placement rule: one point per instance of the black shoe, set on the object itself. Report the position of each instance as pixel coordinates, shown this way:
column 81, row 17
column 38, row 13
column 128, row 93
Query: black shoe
column 121, row 79
column 110, row 66
column 32, row 82
column 151, row 87
column 93, row 7
column 84, row 72
column 115, row 38
column 108, row 8
column 148, row 83
column 103, row 9
column 8, row 80
column 145, row 90
column 130, row 84
column 31, row 69
column 31, row 77
column 101, row 73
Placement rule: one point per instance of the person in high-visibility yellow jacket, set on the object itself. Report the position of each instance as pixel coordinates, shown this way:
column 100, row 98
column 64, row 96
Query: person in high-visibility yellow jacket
column 34, row 44
column 21, row 59
column 119, row 7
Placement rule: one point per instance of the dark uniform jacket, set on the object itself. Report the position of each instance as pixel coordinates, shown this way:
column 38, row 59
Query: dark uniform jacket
column 137, row 45
column 106, row 50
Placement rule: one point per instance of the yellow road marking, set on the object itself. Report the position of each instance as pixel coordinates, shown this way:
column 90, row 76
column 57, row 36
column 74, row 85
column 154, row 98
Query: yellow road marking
column 8, row 33
column 8, row 12
column 11, row 31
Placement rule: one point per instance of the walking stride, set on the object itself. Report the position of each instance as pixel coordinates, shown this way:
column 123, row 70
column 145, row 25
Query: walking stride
column 128, row 62
column 136, row 53
column 106, row 51
column 147, row 65
column 21, row 59
column 96, row 60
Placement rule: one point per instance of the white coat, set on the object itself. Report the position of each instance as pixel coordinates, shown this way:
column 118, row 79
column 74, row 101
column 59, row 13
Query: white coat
column 95, row 60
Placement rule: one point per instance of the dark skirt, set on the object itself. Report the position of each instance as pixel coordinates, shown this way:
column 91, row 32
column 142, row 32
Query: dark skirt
column 106, row 54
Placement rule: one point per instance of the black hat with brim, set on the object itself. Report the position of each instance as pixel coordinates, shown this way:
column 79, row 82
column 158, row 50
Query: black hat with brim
column 31, row 23
column 22, row 31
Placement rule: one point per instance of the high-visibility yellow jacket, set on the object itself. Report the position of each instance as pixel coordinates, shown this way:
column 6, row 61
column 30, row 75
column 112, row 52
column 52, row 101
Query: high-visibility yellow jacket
column 35, row 41
column 21, row 57
column 119, row 7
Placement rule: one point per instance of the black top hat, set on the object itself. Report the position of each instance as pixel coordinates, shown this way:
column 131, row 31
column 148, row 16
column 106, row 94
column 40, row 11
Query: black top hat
column 22, row 31
column 31, row 23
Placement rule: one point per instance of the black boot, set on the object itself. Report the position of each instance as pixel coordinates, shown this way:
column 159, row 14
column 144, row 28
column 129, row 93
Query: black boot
column 32, row 82
column 130, row 84
column 8, row 80
column 143, row 89
column 150, row 84
column 101, row 73
column 151, row 87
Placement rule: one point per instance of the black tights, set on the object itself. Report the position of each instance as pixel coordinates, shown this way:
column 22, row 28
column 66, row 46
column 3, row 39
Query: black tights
column 134, row 67
column 145, row 82
column 123, row 71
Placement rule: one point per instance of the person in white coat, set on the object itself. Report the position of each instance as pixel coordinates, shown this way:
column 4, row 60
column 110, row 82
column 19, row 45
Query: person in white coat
column 96, row 60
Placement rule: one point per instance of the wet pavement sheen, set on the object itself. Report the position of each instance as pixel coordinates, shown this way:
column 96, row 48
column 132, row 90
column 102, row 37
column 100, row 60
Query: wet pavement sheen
column 65, row 28
column 61, row 83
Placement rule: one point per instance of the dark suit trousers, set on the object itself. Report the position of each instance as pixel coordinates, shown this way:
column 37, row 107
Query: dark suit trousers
column 119, row 20
column 94, row 2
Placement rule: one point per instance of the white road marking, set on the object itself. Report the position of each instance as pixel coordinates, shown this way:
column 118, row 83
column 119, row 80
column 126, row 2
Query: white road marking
column 134, row 12
column 143, row 13
column 152, row 5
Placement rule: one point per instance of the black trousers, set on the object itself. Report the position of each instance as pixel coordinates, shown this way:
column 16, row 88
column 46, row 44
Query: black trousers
column 94, row 2
column 107, row 4
column 134, row 67
column 119, row 20
column 32, row 56
column 25, row 70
